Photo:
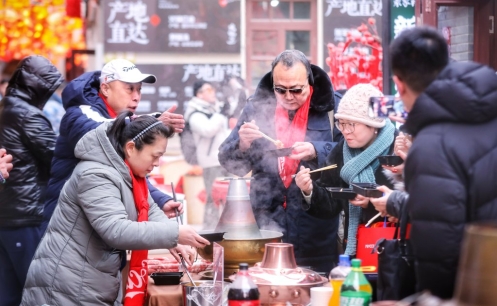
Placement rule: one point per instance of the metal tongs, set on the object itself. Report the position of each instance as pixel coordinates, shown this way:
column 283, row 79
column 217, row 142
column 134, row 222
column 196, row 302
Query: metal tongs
column 183, row 263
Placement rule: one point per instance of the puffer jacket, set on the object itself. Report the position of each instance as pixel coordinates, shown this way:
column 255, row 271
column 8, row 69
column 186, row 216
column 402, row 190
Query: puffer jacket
column 27, row 134
column 450, row 171
column 85, row 110
column 314, row 239
column 78, row 259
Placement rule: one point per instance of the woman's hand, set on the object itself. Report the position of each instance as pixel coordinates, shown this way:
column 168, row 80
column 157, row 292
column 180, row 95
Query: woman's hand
column 402, row 145
column 380, row 204
column 170, row 207
column 187, row 252
column 304, row 181
column 188, row 236
column 360, row 201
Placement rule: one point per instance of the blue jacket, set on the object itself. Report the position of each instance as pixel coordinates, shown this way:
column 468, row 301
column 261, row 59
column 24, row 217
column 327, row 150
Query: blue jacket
column 85, row 110
column 314, row 239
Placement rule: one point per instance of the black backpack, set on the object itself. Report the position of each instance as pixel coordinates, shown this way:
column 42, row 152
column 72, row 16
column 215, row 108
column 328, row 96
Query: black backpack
column 188, row 145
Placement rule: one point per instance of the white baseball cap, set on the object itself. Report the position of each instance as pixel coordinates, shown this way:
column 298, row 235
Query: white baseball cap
column 124, row 71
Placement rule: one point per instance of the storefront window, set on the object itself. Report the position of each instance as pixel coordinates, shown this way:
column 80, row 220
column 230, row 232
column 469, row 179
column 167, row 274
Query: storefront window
column 299, row 40
column 264, row 42
column 282, row 10
column 456, row 23
column 259, row 69
column 260, row 9
column 301, row 10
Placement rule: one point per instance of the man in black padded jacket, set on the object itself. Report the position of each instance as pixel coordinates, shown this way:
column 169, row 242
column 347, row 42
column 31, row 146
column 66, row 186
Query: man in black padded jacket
column 450, row 169
column 26, row 134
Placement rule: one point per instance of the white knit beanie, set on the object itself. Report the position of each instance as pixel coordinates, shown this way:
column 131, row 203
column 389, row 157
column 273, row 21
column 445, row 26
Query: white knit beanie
column 354, row 105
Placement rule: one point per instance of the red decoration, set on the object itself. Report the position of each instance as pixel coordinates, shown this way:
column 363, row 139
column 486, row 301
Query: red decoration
column 358, row 59
column 73, row 8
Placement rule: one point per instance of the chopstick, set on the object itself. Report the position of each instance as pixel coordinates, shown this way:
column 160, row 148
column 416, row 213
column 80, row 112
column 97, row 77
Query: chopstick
column 320, row 169
column 266, row 136
column 372, row 219
column 180, row 219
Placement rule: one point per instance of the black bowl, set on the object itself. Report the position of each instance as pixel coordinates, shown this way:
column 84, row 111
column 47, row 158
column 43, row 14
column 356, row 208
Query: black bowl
column 390, row 160
column 280, row 152
column 367, row 189
column 341, row 193
column 212, row 236
column 166, row 278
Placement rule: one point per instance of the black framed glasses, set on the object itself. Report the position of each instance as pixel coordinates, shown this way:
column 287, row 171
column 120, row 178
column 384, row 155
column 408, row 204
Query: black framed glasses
column 294, row 91
column 345, row 126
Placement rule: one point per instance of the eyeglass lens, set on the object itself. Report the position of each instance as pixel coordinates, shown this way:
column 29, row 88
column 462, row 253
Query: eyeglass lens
column 349, row 127
column 294, row 91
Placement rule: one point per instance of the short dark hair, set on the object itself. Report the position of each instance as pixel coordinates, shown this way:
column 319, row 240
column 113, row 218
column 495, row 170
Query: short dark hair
column 124, row 129
column 197, row 85
column 289, row 57
column 418, row 55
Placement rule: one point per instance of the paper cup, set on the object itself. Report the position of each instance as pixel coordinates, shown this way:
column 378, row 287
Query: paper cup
column 320, row 296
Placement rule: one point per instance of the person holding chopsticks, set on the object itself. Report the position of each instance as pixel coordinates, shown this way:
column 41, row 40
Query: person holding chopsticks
column 104, row 209
column 365, row 138
column 292, row 105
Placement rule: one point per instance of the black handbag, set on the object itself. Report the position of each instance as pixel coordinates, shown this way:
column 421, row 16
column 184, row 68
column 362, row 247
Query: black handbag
column 396, row 276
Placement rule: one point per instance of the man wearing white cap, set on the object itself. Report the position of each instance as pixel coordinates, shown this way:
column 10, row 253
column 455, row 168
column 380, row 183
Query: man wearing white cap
column 89, row 100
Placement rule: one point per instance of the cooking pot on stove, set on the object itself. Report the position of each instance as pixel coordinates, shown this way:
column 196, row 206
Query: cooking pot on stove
column 280, row 280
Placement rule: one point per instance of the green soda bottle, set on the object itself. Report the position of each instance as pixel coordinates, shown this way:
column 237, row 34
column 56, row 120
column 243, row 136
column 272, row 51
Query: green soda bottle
column 356, row 290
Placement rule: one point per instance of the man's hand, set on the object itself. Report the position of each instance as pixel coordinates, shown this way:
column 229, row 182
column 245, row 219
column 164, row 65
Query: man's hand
column 188, row 236
column 380, row 204
column 303, row 151
column 360, row 201
column 248, row 132
column 174, row 120
column 169, row 208
column 5, row 163
column 189, row 253
column 304, row 181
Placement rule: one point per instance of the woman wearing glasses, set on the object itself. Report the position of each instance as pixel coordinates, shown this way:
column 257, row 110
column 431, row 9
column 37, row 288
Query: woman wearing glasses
column 365, row 138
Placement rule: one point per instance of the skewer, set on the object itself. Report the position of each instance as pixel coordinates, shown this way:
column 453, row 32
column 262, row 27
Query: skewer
column 320, row 169
column 372, row 219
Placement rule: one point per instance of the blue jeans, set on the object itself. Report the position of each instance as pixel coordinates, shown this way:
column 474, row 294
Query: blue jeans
column 17, row 248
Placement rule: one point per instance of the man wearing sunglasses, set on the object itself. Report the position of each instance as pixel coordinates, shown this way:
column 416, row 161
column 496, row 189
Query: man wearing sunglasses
column 291, row 104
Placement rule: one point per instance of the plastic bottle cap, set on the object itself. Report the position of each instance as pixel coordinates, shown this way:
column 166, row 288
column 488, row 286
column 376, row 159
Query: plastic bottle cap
column 243, row 266
column 356, row 263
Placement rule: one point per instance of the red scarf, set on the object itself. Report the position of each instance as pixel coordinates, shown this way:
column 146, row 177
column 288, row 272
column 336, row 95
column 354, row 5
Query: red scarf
column 136, row 286
column 112, row 113
column 290, row 133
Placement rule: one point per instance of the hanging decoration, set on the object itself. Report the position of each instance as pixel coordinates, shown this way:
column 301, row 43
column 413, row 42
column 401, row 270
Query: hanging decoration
column 358, row 59
column 40, row 27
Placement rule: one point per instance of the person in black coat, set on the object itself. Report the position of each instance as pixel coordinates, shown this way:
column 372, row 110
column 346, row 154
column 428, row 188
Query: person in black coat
column 365, row 138
column 27, row 134
column 292, row 103
column 450, row 168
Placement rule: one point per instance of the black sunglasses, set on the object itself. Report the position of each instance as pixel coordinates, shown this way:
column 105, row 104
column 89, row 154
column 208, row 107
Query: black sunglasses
column 293, row 91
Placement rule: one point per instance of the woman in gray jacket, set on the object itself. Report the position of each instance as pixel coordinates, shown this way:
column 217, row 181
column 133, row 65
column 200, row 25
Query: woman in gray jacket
column 100, row 214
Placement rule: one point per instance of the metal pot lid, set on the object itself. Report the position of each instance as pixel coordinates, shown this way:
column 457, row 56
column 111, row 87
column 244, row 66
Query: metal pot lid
column 285, row 277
